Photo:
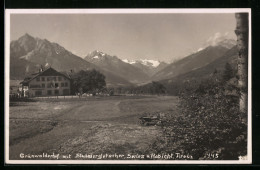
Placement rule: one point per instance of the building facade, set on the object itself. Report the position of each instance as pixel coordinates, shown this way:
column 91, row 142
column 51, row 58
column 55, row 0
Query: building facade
column 47, row 82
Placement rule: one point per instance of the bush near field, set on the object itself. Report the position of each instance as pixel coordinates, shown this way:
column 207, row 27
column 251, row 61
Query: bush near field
column 210, row 125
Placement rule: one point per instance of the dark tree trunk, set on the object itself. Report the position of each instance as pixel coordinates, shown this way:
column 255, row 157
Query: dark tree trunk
column 242, row 45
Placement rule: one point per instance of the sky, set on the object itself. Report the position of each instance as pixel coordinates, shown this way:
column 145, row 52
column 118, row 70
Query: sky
column 163, row 37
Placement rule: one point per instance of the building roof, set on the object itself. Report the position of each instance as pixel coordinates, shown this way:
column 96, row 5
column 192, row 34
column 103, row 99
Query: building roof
column 48, row 72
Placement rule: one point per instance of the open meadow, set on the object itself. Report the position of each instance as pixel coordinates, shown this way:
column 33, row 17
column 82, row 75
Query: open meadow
column 94, row 125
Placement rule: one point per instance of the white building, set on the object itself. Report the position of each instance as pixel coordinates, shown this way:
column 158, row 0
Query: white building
column 47, row 82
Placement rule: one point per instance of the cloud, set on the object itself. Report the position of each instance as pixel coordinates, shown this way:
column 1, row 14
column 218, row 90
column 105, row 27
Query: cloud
column 226, row 34
column 216, row 38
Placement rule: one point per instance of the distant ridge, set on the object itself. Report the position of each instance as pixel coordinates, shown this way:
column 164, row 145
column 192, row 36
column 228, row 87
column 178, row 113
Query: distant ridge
column 204, row 72
column 195, row 61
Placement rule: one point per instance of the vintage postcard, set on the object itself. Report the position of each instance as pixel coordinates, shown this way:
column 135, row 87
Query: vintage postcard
column 128, row 86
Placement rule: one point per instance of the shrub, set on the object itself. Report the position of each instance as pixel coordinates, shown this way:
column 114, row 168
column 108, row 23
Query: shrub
column 210, row 121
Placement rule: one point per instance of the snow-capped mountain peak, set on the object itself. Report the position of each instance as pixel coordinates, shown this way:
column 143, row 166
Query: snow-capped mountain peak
column 129, row 61
column 153, row 63
column 200, row 49
column 96, row 55
column 146, row 62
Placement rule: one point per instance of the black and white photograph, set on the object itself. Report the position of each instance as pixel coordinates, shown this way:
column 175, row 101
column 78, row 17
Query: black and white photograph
column 128, row 86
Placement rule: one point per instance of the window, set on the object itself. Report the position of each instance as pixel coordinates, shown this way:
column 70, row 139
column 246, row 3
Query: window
column 59, row 78
column 54, row 78
column 43, row 78
column 49, row 85
column 38, row 93
column 35, row 86
column 66, row 84
column 66, row 92
column 48, row 79
column 56, row 92
column 43, row 85
column 56, row 85
column 62, row 84
column 49, row 92
column 38, row 79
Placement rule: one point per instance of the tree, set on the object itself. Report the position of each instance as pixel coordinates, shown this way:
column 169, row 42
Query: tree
column 158, row 88
column 242, row 45
column 88, row 81
column 228, row 72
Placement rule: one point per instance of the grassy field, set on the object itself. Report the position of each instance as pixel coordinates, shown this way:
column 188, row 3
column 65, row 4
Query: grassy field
column 89, row 126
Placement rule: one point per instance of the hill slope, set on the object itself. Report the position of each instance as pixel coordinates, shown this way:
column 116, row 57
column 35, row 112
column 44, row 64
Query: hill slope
column 173, row 84
column 191, row 62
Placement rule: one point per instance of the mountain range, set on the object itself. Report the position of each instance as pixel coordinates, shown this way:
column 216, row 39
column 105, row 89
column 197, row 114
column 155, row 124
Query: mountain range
column 194, row 61
column 117, row 66
column 230, row 56
column 28, row 54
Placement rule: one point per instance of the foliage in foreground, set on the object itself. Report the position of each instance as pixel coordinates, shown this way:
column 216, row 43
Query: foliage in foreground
column 210, row 125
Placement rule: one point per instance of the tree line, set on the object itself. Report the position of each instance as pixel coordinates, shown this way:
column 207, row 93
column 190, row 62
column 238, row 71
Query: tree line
column 92, row 81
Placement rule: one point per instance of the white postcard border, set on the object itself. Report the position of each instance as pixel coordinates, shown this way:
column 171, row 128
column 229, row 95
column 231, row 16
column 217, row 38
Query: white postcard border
column 8, row 12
